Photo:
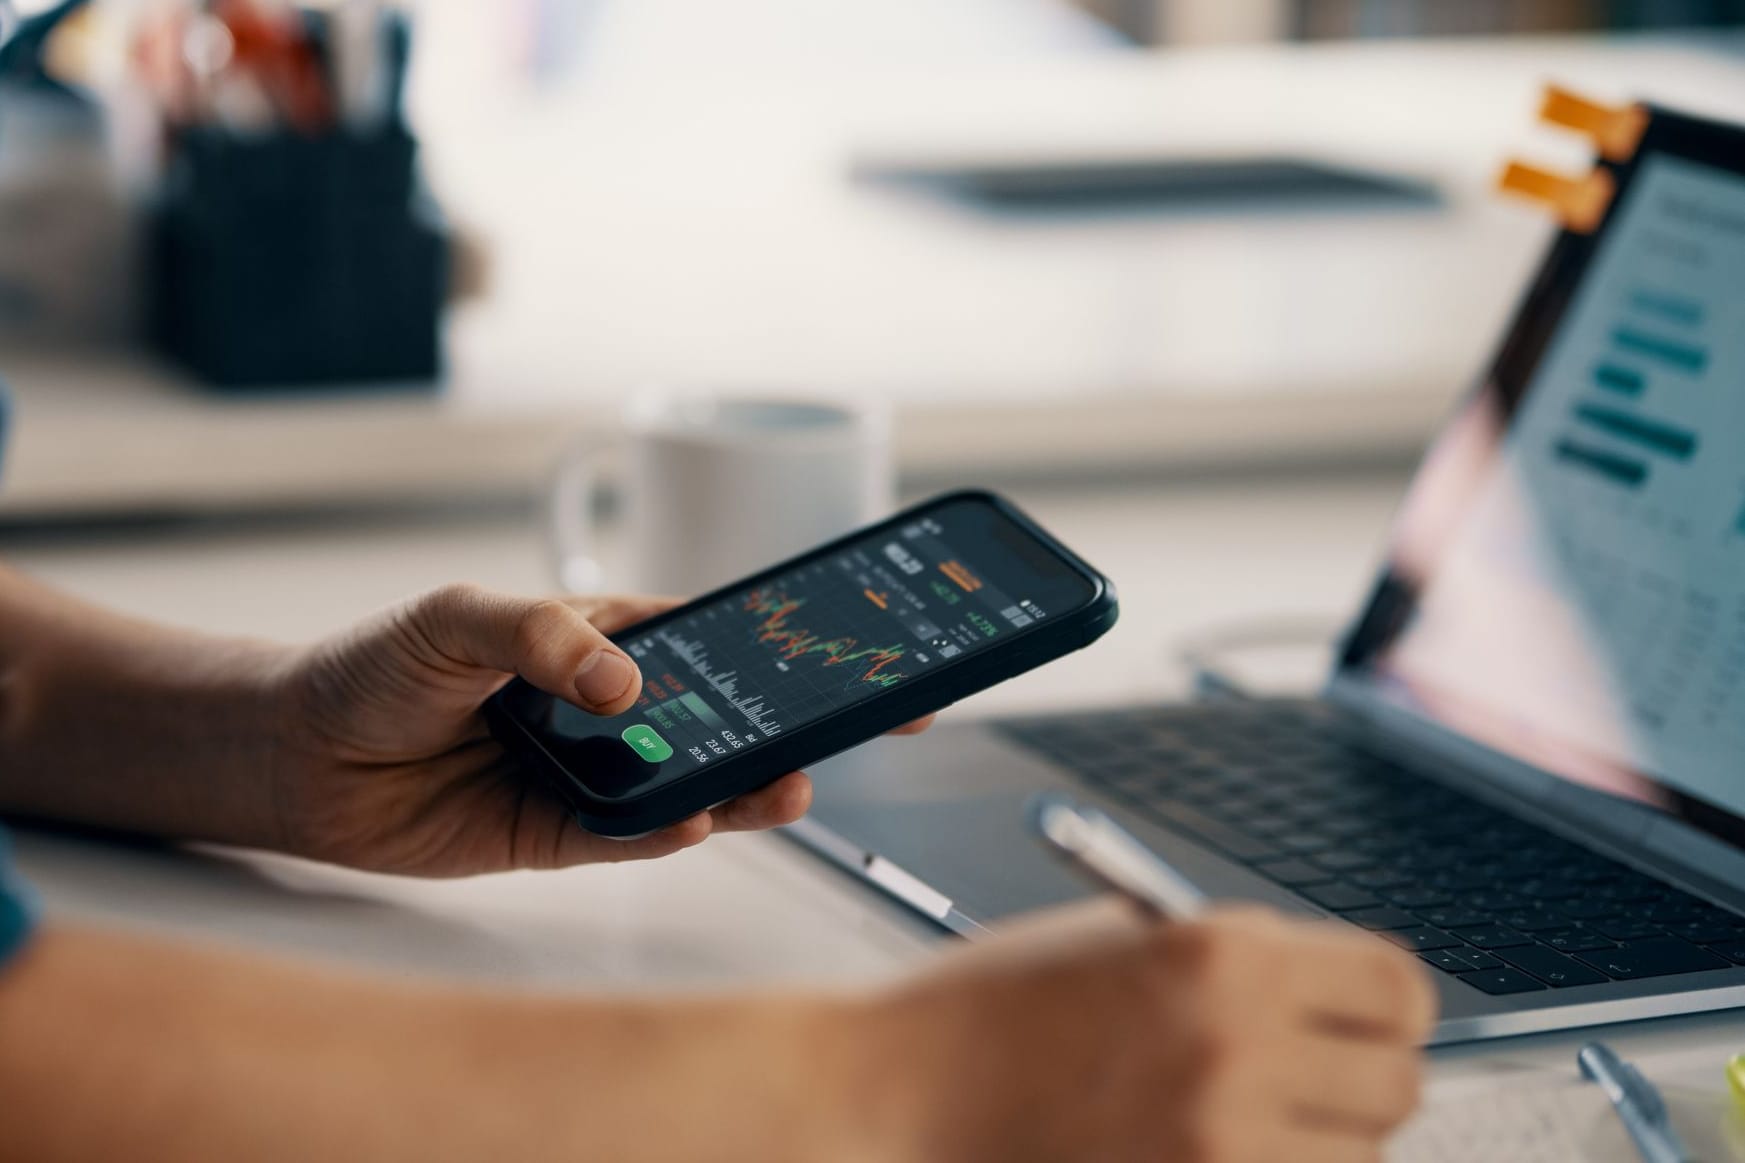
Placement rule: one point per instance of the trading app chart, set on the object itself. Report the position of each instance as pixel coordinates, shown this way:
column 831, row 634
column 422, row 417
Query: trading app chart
column 805, row 644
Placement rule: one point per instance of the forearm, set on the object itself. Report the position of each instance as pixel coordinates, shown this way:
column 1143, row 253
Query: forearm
column 116, row 1047
column 113, row 722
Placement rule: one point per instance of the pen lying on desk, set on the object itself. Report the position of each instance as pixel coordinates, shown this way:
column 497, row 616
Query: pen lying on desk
column 1639, row 1106
column 1112, row 856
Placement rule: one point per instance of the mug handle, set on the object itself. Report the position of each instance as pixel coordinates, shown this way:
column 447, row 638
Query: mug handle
column 572, row 532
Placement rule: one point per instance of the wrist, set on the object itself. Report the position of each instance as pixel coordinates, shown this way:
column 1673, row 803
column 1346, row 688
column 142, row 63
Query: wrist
column 216, row 751
column 863, row 1093
column 896, row 1078
column 772, row 1079
column 199, row 739
column 249, row 768
column 122, row 725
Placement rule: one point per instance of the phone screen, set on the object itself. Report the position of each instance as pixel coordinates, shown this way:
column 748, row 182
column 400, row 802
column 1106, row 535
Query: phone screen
column 833, row 631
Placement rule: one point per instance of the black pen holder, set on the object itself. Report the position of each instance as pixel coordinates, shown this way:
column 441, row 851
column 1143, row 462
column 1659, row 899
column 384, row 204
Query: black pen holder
column 285, row 261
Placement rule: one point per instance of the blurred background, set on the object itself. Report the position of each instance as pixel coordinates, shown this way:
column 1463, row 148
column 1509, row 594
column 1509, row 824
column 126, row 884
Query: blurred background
column 306, row 308
column 301, row 306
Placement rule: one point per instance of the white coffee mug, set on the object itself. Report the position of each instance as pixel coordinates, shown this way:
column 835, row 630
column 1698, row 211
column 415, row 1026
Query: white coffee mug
column 713, row 488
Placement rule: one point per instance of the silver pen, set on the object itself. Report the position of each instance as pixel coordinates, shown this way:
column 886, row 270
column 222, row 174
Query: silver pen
column 1640, row 1107
column 1111, row 855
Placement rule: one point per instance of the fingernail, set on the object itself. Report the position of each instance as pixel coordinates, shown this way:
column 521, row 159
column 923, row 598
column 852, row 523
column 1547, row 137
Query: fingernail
column 604, row 676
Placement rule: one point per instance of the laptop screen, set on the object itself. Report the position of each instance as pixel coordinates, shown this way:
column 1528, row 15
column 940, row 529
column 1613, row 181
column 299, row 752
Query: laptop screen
column 1566, row 583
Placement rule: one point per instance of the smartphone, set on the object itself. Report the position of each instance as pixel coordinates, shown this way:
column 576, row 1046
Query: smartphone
column 809, row 658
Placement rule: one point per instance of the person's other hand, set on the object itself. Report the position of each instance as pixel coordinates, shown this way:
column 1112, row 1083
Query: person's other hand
column 387, row 764
column 1242, row 1038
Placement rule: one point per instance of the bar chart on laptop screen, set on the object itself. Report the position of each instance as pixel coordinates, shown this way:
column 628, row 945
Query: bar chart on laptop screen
column 1657, row 348
column 1627, row 462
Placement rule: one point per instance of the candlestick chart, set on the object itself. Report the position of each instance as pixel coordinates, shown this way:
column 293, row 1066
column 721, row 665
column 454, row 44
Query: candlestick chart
column 778, row 627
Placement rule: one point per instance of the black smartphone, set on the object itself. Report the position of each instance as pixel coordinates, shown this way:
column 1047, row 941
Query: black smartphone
column 809, row 658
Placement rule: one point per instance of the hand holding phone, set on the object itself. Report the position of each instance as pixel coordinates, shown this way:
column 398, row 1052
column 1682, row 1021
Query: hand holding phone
column 811, row 657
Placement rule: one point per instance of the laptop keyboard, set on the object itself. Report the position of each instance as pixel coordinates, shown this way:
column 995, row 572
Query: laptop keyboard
column 1504, row 905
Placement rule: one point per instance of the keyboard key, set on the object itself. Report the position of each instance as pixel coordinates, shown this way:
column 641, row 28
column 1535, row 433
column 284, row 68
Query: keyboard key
column 1221, row 836
column 1590, row 910
column 1733, row 951
column 1345, row 825
column 1501, row 981
column 1453, row 917
column 1274, row 823
column 1678, row 898
column 1479, row 959
column 1575, row 940
column 1386, row 846
column 1303, row 842
column 1417, row 897
column 1339, row 897
column 1374, row 878
column 1655, row 957
column 1549, row 890
column 1594, row 871
column 1630, row 890
column 1494, row 937
column 1705, row 932
column 1535, row 920
column 1678, row 908
column 1460, row 881
column 1448, row 961
column 1428, row 861
column 1625, row 929
column 1421, row 939
column 1210, row 797
column 1552, row 967
column 1293, row 873
column 1341, row 860
column 1382, row 918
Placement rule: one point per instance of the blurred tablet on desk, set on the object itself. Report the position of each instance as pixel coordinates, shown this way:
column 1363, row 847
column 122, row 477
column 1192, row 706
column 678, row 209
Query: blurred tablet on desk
column 1154, row 182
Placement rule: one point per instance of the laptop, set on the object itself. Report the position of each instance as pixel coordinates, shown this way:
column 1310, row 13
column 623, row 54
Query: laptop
column 1527, row 765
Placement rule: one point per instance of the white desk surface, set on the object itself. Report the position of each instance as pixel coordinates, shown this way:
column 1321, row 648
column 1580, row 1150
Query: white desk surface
column 739, row 910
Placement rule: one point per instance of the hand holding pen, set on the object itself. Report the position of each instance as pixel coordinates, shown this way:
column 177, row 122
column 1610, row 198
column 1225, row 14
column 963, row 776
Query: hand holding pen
column 1260, row 1037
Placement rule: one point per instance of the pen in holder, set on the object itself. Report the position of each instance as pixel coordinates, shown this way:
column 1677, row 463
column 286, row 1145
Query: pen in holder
column 283, row 259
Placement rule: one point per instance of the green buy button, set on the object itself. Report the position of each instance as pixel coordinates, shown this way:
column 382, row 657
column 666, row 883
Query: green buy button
column 646, row 742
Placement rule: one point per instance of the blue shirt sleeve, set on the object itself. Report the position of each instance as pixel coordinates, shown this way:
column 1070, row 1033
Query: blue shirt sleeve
column 17, row 907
